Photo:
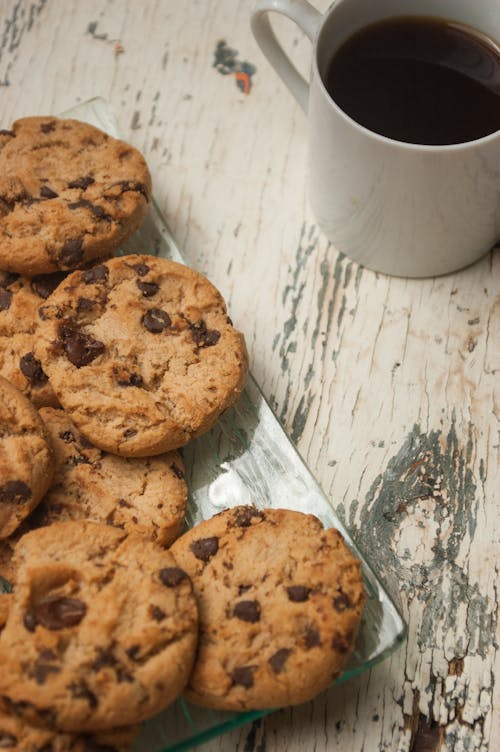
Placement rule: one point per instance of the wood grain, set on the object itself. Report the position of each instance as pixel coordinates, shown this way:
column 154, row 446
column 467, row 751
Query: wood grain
column 388, row 386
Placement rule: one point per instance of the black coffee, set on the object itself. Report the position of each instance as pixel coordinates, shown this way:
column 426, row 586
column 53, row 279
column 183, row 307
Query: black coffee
column 419, row 79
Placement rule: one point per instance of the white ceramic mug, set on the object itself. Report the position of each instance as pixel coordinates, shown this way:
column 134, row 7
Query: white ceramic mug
column 399, row 208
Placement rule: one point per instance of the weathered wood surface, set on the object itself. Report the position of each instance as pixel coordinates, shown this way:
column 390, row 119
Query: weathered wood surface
column 388, row 386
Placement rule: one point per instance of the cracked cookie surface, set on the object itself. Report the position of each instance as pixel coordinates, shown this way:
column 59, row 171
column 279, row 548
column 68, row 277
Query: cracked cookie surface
column 26, row 458
column 69, row 193
column 144, row 495
column 280, row 601
column 141, row 353
column 101, row 631
column 20, row 298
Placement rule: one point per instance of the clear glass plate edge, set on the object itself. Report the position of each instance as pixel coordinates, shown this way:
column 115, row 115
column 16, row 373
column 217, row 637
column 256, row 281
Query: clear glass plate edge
column 97, row 111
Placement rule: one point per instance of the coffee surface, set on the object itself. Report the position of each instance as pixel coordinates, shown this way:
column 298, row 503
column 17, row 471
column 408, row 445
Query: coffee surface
column 419, row 79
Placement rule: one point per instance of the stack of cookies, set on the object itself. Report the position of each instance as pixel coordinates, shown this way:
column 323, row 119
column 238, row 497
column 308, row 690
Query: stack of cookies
column 108, row 366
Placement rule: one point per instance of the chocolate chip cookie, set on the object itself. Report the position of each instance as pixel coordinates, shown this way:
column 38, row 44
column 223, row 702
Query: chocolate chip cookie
column 26, row 458
column 141, row 353
column 101, row 631
column 20, row 299
column 280, row 601
column 144, row 495
column 69, row 193
column 17, row 736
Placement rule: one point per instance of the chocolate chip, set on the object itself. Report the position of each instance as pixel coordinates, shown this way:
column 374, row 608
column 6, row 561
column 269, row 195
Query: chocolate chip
column 110, row 518
column 141, row 269
column 80, row 348
column 243, row 675
column 172, row 576
column 177, row 471
column 83, row 692
column 7, row 278
column 82, row 203
column 133, row 185
column 96, row 274
column 15, row 492
column 243, row 516
column 96, row 210
column 131, row 379
column 82, row 182
column 298, row 593
column 7, row 741
column 71, row 252
column 45, row 284
column 100, row 213
column 211, row 338
column 20, row 707
column 104, row 658
column 311, row 638
column 129, row 433
column 6, row 132
column 339, row 643
column 205, row 548
column 42, row 670
column 32, row 369
column 5, row 299
column 133, row 652
column 85, row 304
column 47, row 192
column 247, row 611
column 29, row 621
column 157, row 614
column 278, row 660
column 148, row 289
column 155, row 320
column 59, row 611
column 341, row 602
column 202, row 336
column 48, row 127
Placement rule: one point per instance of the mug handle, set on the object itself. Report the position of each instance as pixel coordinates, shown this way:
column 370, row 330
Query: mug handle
column 307, row 18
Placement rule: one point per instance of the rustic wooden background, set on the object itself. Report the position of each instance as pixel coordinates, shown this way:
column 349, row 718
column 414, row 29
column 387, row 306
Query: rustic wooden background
column 389, row 387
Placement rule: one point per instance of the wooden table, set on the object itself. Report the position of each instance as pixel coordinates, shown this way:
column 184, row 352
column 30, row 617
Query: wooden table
column 389, row 387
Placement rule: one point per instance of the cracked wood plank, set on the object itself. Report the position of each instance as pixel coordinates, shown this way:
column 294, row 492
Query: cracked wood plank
column 388, row 386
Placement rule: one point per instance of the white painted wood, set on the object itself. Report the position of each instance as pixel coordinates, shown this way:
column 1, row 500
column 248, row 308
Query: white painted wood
column 388, row 386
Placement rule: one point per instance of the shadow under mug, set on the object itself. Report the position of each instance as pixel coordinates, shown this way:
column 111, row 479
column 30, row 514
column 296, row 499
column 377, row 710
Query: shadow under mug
column 403, row 209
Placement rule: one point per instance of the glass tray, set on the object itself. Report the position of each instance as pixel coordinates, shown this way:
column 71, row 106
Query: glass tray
column 247, row 458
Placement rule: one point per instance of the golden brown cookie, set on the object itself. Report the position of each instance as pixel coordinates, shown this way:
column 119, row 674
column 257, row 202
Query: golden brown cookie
column 26, row 458
column 17, row 736
column 69, row 193
column 280, row 601
column 20, row 299
column 101, row 632
column 141, row 354
column 146, row 495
